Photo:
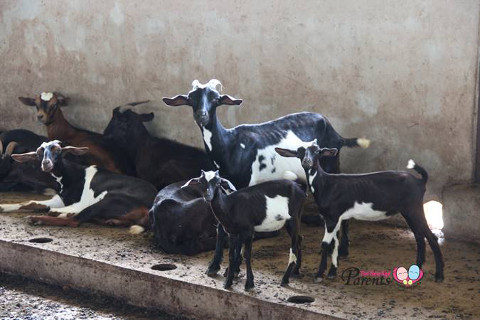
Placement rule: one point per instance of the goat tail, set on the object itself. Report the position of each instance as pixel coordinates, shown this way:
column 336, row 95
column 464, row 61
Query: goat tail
column 356, row 142
column 136, row 229
column 412, row 165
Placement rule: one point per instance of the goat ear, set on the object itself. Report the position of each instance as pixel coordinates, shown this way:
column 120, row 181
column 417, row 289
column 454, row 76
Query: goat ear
column 147, row 117
column 27, row 101
column 24, row 157
column 328, row 152
column 191, row 182
column 227, row 186
column 180, row 100
column 286, row 152
column 62, row 101
column 226, row 99
column 78, row 151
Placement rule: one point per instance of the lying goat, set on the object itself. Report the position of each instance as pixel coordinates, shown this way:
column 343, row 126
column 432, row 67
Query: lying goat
column 182, row 221
column 373, row 196
column 86, row 193
column 16, row 176
column 104, row 154
column 264, row 207
column 160, row 161
column 245, row 154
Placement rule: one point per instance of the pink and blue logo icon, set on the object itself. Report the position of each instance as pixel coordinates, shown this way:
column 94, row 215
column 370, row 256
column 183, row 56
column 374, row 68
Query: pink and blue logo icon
column 407, row 278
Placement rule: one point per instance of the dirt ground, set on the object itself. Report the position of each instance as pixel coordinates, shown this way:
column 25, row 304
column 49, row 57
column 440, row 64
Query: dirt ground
column 374, row 246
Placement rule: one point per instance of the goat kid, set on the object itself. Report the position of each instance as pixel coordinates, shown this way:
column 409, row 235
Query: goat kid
column 104, row 154
column 265, row 207
column 372, row 196
column 86, row 193
column 245, row 154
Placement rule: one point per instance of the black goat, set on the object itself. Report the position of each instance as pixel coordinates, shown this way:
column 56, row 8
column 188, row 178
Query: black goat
column 265, row 207
column 86, row 193
column 158, row 160
column 372, row 196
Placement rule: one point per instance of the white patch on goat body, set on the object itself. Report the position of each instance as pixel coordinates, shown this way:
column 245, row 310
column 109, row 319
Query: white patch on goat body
column 310, row 181
column 86, row 199
column 207, row 137
column 292, row 257
column 289, row 175
column 242, row 145
column 46, row 96
column 59, row 181
column 363, row 211
column 209, row 175
column 54, row 202
column 411, row 164
column 276, row 214
column 271, row 160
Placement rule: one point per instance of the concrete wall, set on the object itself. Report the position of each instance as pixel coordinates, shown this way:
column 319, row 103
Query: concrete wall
column 399, row 72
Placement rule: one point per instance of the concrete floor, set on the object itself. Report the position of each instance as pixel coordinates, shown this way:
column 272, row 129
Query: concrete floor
column 374, row 246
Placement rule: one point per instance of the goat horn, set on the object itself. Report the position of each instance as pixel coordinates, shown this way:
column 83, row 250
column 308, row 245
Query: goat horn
column 133, row 104
column 1, row 148
column 10, row 147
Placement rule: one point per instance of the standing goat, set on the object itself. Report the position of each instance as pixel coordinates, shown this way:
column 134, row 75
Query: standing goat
column 86, row 193
column 264, row 207
column 245, row 154
column 160, row 161
column 104, row 154
column 372, row 196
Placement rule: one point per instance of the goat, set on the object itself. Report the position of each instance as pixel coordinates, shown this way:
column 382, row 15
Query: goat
column 245, row 154
column 102, row 153
column 265, row 207
column 86, row 193
column 182, row 222
column 372, row 196
column 158, row 160
column 16, row 176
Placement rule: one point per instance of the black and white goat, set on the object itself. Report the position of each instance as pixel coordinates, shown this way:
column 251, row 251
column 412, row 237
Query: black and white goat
column 86, row 193
column 16, row 176
column 265, row 207
column 372, row 196
column 246, row 154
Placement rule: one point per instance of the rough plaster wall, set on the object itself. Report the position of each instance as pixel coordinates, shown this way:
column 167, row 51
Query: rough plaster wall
column 399, row 72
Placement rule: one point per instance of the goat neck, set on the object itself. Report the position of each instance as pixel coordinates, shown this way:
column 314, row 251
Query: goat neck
column 59, row 128
column 216, row 137
column 218, row 205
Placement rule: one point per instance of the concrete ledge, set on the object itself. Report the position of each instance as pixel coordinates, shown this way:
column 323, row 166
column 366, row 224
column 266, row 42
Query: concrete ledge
column 141, row 288
column 461, row 212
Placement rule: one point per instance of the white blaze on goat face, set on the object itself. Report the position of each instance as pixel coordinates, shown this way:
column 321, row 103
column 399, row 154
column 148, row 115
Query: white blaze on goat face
column 46, row 96
column 209, row 175
column 207, row 137
column 268, row 165
column 276, row 214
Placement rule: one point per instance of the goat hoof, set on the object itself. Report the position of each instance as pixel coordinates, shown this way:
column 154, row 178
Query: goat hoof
column 33, row 221
column 284, row 284
column 297, row 275
column 318, row 279
column 211, row 272
column 331, row 276
column 227, row 284
column 439, row 278
column 249, row 286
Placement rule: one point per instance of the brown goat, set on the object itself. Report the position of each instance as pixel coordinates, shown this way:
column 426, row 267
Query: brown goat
column 103, row 153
